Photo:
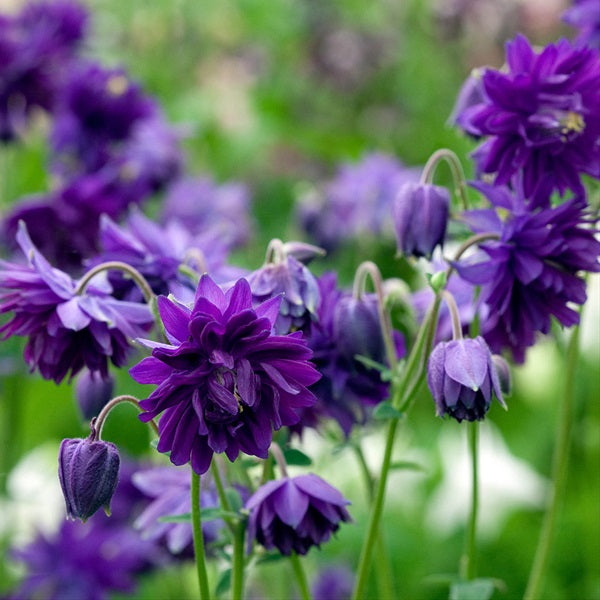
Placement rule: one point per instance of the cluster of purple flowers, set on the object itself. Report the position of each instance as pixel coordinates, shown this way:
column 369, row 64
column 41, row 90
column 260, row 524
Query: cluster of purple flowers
column 356, row 203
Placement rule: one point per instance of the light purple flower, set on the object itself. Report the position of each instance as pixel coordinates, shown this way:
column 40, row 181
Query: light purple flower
column 204, row 206
column 295, row 513
column 462, row 377
column 66, row 331
column 169, row 488
column 225, row 381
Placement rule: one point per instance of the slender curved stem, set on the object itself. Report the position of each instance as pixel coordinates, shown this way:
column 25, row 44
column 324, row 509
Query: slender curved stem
column 458, row 174
column 559, row 473
column 237, row 566
column 377, row 509
column 97, row 423
column 117, row 265
column 385, row 586
column 469, row 562
column 300, row 576
column 454, row 315
column 279, row 458
column 198, row 538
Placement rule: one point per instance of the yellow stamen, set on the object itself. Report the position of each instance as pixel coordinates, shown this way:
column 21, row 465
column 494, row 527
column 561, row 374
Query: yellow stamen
column 117, row 85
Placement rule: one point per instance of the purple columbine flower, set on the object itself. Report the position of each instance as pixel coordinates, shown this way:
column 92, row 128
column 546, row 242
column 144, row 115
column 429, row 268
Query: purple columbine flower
column 37, row 46
column 66, row 331
column 357, row 202
column 533, row 271
column 225, row 381
column 295, row 513
column 157, row 252
column 462, row 377
column 284, row 274
column 585, row 16
column 541, row 119
column 99, row 109
column 203, row 206
column 420, row 218
column 92, row 392
column 88, row 471
column 169, row 488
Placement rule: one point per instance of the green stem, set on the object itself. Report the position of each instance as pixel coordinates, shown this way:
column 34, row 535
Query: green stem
column 214, row 467
column 469, row 564
column 377, row 509
column 97, row 423
column 559, row 473
column 117, row 265
column 458, row 174
column 237, row 566
column 300, row 576
column 385, row 586
column 199, row 538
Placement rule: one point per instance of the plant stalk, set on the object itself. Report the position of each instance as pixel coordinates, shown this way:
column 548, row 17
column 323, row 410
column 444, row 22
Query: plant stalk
column 199, row 538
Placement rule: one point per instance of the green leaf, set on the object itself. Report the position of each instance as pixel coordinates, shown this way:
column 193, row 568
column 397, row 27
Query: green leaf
column 385, row 410
column 224, row 582
column 211, row 513
column 405, row 464
column 269, row 558
column 293, row 456
column 477, row 589
column 386, row 374
column 183, row 518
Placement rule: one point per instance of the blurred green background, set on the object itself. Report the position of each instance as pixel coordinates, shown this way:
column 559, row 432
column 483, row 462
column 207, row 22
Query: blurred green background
column 276, row 94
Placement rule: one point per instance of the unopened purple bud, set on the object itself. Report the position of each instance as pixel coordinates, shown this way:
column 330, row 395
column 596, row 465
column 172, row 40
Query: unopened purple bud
column 462, row 377
column 420, row 218
column 92, row 392
column 88, row 471
column 504, row 375
column 357, row 328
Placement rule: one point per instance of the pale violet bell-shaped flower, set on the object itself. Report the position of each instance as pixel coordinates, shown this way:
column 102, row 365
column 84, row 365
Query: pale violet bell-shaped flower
column 462, row 378
column 88, row 471
column 295, row 513
column 285, row 273
column 420, row 218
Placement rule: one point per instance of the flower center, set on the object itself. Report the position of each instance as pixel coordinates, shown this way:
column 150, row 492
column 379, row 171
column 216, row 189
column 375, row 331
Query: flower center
column 572, row 122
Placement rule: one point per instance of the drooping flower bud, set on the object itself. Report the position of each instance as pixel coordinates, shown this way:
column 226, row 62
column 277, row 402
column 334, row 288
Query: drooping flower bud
column 92, row 392
column 357, row 328
column 88, row 471
column 420, row 218
column 462, row 376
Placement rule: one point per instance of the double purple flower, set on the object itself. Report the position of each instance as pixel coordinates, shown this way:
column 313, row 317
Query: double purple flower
column 533, row 271
column 66, row 330
column 225, row 381
column 541, row 119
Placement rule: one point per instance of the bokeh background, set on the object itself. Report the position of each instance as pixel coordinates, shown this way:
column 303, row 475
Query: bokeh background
column 277, row 95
